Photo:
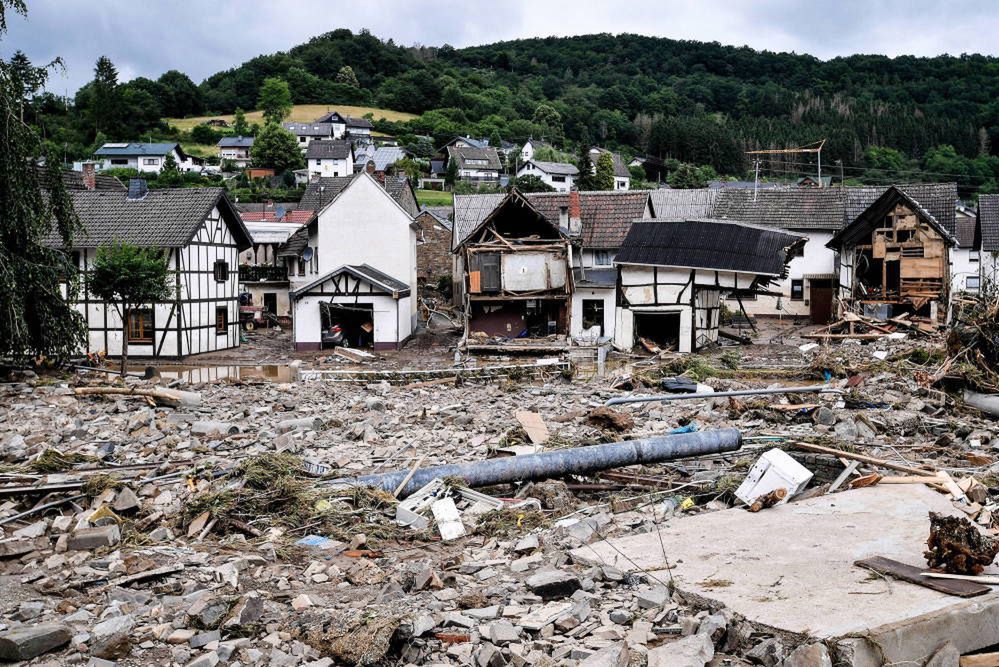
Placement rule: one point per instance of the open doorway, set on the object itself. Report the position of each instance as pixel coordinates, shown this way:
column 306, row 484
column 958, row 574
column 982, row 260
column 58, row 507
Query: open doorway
column 593, row 314
column 663, row 329
column 356, row 321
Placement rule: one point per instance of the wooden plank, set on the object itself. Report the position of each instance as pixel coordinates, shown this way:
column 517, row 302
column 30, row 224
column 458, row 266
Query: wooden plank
column 534, row 425
column 980, row 660
column 911, row 479
column 913, row 575
column 990, row 579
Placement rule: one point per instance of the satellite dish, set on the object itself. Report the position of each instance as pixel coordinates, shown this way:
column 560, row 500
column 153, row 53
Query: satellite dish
column 307, row 254
column 279, row 212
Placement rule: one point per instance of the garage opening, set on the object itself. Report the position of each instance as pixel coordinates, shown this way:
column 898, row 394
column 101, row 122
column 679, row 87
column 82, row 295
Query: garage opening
column 593, row 314
column 356, row 322
column 663, row 329
column 532, row 318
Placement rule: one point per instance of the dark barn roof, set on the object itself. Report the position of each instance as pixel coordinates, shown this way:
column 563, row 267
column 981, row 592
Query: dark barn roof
column 988, row 220
column 720, row 245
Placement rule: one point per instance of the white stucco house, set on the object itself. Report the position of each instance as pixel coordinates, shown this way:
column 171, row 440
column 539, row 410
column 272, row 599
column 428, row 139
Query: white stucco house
column 622, row 177
column 237, row 150
column 561, row 176
column 145, row 158
column 357, row 265
column 530, row 147
column 330, row 157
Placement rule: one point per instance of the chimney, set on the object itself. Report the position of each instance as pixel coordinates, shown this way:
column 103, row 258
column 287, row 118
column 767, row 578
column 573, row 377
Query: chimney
column 89, row 170
column 575, row 214
column 137, row 188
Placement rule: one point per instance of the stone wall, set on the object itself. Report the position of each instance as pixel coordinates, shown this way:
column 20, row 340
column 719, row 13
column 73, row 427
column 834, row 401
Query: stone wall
column 433, row 250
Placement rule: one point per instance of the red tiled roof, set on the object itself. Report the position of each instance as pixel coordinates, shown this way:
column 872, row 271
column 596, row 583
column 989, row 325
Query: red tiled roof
column 298, row 216
column 606, row 216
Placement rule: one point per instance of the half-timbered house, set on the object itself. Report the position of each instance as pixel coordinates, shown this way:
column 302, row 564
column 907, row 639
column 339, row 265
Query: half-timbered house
column 201, row 236
column 673, row 275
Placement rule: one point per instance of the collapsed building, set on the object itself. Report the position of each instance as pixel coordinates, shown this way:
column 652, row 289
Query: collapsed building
column 894, row 259
column 512, row 269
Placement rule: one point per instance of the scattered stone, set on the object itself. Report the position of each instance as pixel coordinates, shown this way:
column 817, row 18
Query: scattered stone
column 94, row 538
column 551, row 584
column 817, row 655
column 693, row 651
column 25, row 643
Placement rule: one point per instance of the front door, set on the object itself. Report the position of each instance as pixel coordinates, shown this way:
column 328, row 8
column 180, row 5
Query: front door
column 820, row 295
column 270, row 303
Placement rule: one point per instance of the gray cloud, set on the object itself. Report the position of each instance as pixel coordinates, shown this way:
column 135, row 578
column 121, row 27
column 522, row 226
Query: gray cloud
column 149, row 37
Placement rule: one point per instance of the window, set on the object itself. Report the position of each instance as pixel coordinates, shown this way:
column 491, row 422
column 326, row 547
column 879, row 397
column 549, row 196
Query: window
column 558, row 179
column 119, row 161
column 972, row 283
column 974, row 256
column 221, row 271
column 221, row 320
column 140, row 325
column 150, row 160
column 602, row 258
column 797, row 290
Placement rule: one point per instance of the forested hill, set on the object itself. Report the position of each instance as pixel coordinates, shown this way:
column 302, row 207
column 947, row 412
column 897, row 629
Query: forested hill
column 698, row 102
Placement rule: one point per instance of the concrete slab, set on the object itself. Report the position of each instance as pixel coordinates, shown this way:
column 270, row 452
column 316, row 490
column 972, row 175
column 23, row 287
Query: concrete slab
column 790, row 569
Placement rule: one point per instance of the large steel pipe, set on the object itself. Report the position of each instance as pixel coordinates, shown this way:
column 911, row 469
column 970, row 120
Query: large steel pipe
column 558, row 463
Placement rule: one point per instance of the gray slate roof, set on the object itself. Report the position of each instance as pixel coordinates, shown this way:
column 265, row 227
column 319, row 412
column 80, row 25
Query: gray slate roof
column 721, row 245
column 557, row 168
column 873, row 214
column 314, row 199
column 938, row 199
column 309, row 129
column 988, row 219
column 787, row 208
column 383, row 157
column 469, row 212
column 236, row 142
column 668, row 204
column 165, row 218
column 462, row 155
column 442, row 214
column 127, row 150
column 331, row 149
column 966, row 231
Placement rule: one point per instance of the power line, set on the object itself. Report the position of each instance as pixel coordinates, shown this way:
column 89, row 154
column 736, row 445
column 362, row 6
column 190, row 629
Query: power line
column 889, row 171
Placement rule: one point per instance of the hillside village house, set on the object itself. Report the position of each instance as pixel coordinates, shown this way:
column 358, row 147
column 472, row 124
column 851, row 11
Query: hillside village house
column 347, row 127
column 306, row 133
column 673, row 275
column 558, row 175
column 383, row 157
column 622, row 177
column 201, row 235
column 236, row 149
column 330, row 158
column 530, row 147
column 513, row 272
column 475, row 165
column 144, row 157
column 965, row 256
column 355, row 263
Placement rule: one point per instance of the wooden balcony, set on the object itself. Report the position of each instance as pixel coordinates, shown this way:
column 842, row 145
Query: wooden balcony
column 263, row 274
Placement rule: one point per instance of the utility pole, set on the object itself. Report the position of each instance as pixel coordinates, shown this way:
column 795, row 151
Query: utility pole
column 814, row 147
column 756, row 180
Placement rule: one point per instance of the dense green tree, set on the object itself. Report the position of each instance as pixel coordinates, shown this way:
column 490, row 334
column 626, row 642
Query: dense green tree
column 604, row 178
column 105, row 107
column 347, row 77
column 277, row 148
column 274, row 100
column 130, row 277
column 451, row 173
column 532, row 183
column 180, row 96
column 586, row 180
column 239, row 126
column 205, row 134
column 688, row 176
column 35, row 317
column 550, row 120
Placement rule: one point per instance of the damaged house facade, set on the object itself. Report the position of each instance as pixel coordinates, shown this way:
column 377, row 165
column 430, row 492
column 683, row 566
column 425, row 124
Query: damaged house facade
column 673, row 276
column 513, row 267
column 201, row 235
column 355, row 263
column 894, row 258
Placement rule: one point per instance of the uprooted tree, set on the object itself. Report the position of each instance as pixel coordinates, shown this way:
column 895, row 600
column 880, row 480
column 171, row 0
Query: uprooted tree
column 36, row 279
column 133, row 279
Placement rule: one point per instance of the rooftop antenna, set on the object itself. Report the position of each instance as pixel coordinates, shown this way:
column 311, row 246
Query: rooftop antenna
column 814, row 147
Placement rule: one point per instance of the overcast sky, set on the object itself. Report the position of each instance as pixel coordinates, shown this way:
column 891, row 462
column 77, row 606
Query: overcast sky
column 200, row 37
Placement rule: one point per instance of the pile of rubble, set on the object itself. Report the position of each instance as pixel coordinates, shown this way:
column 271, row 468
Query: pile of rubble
column 203, row 525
